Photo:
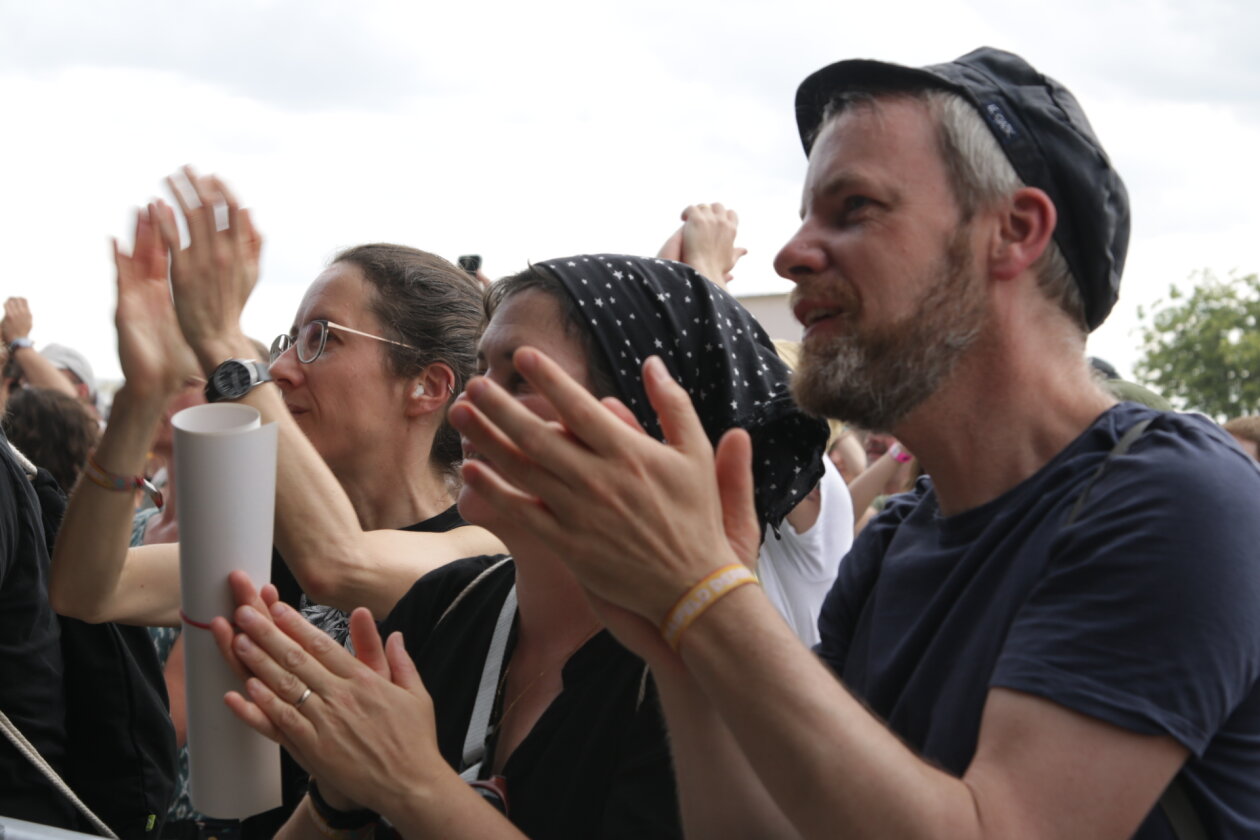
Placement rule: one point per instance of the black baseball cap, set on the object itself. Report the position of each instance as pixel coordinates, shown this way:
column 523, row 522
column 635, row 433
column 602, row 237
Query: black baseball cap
column 1045, row 135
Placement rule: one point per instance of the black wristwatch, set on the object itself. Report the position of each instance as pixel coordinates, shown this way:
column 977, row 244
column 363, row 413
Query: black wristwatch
column 235, row 378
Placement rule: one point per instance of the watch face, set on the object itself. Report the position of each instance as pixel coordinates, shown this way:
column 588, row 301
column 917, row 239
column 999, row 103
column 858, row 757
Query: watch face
column 232, row 380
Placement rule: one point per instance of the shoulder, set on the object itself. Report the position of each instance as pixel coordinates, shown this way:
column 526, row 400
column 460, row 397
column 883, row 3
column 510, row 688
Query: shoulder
column 417, row 612
column 454, row 533
column 1181, row 485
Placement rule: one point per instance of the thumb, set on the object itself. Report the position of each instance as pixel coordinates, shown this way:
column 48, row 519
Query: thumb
column 367, row 642
column 403, row 671
column 733, row 467
column 677, row 415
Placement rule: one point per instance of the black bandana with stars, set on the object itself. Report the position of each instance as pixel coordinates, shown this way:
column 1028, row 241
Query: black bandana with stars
column 639, row 307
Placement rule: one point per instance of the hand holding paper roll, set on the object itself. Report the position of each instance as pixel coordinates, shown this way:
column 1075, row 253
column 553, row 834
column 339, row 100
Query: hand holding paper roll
column 367, row 726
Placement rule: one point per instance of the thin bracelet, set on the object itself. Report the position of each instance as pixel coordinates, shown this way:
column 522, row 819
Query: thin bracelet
column 899, row 454
column 696, row 600
column 335, row 819
column 101, row 477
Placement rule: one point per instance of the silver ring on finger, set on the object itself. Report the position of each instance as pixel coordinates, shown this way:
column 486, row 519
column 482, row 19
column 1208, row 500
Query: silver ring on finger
column 305, row 694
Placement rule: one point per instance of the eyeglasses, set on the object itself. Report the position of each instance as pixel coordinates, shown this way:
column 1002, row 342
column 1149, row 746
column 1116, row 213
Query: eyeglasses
column 312, row 337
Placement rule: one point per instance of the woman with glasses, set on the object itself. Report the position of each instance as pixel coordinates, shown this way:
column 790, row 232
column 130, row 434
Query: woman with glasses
column 359, row 386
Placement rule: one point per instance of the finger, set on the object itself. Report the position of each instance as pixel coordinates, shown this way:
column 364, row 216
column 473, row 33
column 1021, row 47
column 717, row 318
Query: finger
column 229, row 199
column 119, row 266
column 402, row 670
column 184, row 186
column 262, row 665
column 210, row 197
column 251, row 715
column 179, row 187
column 620, row 410
column 168, row 227
column 270, row 594
column 149, row 247
column 493, row 445
column 487, row 489
column 367, row 642
column 316, row 643
column 679, row 422
column 718, row 209
column 290, row 725
column 736, row 490
column 583, row 415
column 244, row 593
column 252, row 238
column 272, row 634
column 733, row 217
column 224, row 635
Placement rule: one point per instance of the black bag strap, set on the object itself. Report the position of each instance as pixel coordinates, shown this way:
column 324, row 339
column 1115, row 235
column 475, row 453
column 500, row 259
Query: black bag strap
column 1175, row 801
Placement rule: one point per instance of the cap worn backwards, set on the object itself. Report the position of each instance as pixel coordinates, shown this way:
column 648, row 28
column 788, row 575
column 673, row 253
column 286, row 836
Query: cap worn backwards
column 1043, row 132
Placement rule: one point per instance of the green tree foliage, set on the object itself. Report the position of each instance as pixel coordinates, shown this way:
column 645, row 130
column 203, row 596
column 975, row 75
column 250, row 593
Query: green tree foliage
column 1201, row 348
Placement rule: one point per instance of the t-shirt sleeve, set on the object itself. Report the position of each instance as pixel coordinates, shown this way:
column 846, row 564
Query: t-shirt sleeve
column 1147, row 616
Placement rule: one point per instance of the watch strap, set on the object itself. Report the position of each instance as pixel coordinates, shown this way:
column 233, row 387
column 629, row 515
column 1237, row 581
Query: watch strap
column 259, row 373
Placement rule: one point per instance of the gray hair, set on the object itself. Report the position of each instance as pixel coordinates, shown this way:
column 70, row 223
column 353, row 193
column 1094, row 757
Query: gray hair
column 979, row 173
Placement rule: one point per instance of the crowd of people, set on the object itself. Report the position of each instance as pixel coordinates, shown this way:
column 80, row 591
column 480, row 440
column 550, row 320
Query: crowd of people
column 583, row 552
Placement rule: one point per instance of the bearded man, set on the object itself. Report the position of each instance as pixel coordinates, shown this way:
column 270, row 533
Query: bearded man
column 1056, row 635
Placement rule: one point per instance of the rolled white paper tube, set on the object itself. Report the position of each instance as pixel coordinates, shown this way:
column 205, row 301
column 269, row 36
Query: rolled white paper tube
column 225, row 471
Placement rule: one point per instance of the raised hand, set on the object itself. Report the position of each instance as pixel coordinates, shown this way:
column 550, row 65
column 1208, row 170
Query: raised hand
column 17, row 320
column 637, row 521
column 151, row 349
column 707, row 241
column 212, row 278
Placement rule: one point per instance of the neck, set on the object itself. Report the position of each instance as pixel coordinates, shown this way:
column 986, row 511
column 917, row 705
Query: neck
column 393, row 484
column 1005, row 412
column 555, row 616
column 381, row 505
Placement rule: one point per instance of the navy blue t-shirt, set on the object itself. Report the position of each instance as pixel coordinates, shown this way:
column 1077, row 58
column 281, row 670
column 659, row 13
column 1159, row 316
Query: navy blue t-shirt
column 1144, row 612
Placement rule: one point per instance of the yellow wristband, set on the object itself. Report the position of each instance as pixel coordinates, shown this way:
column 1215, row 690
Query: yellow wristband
column 697, row 599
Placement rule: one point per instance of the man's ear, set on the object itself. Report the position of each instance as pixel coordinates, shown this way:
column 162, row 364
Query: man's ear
column 430, row 390
column 1025, row 230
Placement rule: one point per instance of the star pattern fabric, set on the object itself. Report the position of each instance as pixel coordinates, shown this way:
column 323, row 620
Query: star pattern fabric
column 639, row 307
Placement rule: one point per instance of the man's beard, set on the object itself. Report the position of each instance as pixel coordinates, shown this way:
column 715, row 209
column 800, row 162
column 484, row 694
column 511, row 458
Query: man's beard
column 874, row 376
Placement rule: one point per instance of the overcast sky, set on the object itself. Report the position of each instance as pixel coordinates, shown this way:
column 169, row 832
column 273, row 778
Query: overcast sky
column 524, row 131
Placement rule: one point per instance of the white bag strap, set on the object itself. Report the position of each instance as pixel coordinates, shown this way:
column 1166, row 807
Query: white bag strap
column 479, row 723
column 27, row 749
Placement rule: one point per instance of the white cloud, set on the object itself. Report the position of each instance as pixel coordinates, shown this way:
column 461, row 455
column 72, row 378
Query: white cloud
column 526, row 131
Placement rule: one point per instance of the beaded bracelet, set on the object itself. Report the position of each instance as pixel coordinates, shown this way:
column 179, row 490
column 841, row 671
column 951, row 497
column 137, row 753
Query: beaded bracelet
column 101, row 477
column 696, row 600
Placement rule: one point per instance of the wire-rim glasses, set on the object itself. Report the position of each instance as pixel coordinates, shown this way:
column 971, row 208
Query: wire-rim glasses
column 311, row 338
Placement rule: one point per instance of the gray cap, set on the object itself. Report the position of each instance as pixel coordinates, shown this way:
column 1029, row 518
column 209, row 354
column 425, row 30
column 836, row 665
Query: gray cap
column 72, row 360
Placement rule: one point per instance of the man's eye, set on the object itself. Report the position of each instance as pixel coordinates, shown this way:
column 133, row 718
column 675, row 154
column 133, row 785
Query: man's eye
column 856, row 202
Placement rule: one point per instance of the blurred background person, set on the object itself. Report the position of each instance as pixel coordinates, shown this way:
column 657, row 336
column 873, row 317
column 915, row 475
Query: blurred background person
column 54, row 430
